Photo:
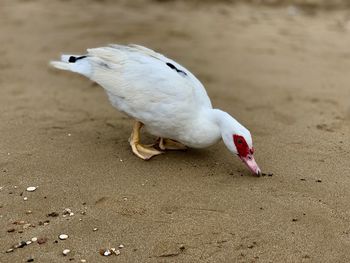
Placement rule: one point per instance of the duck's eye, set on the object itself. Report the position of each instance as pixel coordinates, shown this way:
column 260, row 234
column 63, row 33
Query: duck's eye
column 239, row 141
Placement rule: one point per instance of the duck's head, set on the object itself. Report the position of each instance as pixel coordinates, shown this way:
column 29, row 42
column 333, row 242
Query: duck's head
column 238, row 140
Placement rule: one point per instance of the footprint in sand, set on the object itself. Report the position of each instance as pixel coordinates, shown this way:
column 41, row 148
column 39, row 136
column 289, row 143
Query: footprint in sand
column 324, row 127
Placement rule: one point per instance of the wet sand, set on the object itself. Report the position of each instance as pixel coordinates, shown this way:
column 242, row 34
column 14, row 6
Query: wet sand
column 282, row 72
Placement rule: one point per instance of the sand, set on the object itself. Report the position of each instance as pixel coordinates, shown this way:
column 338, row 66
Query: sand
column 282, row 72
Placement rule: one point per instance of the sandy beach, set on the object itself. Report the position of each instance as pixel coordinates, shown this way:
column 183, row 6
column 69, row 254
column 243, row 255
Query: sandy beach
column 282, row 71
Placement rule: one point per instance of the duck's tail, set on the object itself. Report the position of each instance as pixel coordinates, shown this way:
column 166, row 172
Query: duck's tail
column 75, row 63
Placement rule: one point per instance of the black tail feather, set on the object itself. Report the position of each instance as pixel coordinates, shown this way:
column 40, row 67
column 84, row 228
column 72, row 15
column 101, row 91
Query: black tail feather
column 73, row 59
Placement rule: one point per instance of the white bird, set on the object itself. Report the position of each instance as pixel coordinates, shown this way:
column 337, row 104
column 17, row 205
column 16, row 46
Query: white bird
column 164, row 97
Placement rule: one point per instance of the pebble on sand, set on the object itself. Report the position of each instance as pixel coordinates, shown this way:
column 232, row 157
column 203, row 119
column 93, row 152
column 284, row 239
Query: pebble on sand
column 25, row 198
column 31, row 189
column 20, row 244
column 115, row 251
column 42, row 240
column 67, row 211
column 53, row 214
column 107, row 252
column 34, row 239
column 65, row 252
column 63, row 236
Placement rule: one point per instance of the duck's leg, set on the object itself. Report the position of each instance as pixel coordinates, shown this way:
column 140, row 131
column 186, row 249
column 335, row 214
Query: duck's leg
column 168, row 144
column 145, row 152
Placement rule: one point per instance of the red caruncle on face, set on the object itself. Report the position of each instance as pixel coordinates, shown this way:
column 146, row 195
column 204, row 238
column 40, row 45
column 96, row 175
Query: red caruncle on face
column 242, row 146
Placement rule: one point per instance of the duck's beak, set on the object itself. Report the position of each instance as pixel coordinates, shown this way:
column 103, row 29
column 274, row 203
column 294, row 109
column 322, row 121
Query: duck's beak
column 251, row 163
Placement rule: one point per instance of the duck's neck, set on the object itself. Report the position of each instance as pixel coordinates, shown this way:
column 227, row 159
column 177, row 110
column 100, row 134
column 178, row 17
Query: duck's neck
column 224, row 120
column 228, row 127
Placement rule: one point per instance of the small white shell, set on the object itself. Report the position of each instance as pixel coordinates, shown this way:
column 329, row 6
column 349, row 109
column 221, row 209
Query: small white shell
column 63, row 236
column 34, row 239
column 66, row 252
column 31, row 189
column 121, row 246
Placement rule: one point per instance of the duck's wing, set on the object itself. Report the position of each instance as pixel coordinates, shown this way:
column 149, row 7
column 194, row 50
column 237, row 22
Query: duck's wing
column 142, row 79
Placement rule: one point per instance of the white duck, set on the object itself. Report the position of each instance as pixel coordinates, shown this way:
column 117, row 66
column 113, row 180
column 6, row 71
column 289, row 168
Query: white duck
column 164, row 97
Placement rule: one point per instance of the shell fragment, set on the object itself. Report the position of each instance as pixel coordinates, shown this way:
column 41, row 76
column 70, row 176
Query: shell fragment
column 31, row 189
column 63, row 236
